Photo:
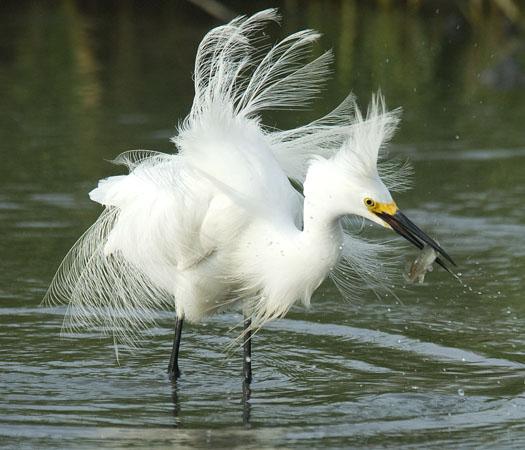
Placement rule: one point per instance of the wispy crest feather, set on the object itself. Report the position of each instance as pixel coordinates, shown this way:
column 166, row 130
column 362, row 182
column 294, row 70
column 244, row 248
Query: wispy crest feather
column 369, row 135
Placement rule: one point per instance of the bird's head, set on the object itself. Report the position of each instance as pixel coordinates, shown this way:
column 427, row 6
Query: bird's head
column 354, row 184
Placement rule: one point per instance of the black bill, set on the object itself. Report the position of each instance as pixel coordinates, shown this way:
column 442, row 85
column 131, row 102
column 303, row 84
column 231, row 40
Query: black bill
column 403, row 226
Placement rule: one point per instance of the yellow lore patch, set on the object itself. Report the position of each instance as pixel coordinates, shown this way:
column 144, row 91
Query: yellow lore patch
column 387, row 208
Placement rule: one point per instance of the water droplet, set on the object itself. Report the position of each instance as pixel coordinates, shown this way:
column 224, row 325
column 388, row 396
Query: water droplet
column 248, row 359
column 461, row 392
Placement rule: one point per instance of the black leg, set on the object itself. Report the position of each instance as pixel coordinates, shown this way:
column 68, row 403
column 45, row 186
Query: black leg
column 173, row 367
column 247, row 352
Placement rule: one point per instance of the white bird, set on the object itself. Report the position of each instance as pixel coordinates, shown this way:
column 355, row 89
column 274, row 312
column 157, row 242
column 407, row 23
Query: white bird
column 219, row 224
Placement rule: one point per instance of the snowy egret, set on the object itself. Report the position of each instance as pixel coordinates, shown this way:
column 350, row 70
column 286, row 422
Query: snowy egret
column 219, row 224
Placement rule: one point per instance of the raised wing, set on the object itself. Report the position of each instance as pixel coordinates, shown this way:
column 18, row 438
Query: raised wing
column 238, row 75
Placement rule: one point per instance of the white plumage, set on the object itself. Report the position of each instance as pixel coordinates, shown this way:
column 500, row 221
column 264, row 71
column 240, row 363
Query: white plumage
column 219, row 223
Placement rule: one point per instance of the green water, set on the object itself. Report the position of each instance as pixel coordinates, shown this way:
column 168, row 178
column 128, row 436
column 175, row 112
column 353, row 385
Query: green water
column 442, row 366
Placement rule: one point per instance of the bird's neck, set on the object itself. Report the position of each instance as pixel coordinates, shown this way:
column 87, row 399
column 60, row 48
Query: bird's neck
column 322, row 233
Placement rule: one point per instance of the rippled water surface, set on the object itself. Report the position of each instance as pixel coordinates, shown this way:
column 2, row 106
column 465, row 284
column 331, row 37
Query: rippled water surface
column 443, row 365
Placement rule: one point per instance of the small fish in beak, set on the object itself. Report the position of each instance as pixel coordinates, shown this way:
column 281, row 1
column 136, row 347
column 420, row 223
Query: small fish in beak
column 421, row 265
column 403, row 226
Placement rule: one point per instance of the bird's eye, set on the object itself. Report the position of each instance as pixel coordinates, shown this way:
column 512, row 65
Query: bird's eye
column 369, row 202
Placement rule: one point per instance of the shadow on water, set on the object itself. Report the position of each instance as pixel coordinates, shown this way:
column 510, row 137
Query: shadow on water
column 443, row 366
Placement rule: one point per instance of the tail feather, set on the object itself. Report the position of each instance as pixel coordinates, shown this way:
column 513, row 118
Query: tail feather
column 104, row 291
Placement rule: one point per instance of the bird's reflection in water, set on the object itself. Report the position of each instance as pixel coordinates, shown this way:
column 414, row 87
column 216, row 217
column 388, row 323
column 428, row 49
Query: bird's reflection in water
column 246, row 405
column 176, row 403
